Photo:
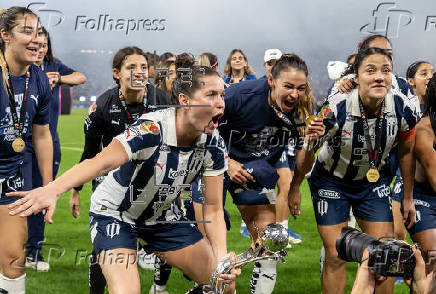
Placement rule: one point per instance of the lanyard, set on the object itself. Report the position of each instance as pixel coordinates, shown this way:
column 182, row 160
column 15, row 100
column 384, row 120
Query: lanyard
column 285, row 118
column 18, row 123
column 123, row 103
column 373, row 153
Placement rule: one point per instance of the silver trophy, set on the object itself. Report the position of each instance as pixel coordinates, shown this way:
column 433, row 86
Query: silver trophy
column 270, row 245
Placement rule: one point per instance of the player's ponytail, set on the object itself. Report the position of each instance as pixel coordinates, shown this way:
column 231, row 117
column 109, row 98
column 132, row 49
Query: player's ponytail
column 188, row 76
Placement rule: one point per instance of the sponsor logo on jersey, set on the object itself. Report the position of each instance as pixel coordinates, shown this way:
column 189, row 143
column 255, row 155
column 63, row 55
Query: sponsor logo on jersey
column 172, row 174
column 421, row 203
column 114, row 109
column 35, row 98
column 329, row 194
column 165, row 148
column 346, row 132
column 161, row 166
column 382, row 191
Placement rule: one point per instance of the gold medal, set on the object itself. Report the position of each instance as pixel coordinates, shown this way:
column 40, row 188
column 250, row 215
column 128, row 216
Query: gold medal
column 372, row 175
column 310, row 119
column 18, row 144
column 324, row 112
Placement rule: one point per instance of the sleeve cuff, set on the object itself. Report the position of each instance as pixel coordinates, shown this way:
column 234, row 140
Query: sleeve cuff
column 125, row 145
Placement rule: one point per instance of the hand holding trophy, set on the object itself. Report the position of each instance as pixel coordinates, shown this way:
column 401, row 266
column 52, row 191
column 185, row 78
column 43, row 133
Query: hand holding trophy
column 270, row 245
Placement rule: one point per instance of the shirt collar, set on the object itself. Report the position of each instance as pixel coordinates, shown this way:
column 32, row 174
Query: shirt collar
column 355, row 109
column 169, row 136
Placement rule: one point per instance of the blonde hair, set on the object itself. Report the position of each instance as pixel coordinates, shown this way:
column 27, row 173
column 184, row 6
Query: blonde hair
column 305, row 107
column 228, row 69
column 207, row 59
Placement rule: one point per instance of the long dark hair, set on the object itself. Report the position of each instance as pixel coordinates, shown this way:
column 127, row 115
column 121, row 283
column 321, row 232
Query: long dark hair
column 121, row 56
column 413, row 68
column 49, row 55
column 182, row 85
column 362, row 54
column 364, row 45
column 430, row 102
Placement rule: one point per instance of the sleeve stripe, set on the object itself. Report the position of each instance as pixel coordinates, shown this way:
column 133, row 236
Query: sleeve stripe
column 407, row 135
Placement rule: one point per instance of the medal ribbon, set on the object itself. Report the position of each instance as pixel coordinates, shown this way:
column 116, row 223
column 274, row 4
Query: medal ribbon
column 373, row 153
column 123, row 103
column 18, row 123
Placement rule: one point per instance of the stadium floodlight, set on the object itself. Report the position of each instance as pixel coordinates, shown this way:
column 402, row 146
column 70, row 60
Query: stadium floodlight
column 82, row 99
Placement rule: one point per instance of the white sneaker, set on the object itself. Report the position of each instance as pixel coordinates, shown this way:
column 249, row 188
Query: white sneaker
column 293, row 237
column 146, row 261
column 154, row 291
column 39, row 266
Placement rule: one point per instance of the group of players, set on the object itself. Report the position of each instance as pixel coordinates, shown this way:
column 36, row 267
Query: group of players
column 254, row 134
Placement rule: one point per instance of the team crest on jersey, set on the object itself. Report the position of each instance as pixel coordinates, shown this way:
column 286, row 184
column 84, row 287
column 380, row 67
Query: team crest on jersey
column 112, row 230
column 323, row 207
column 150, row 127
column 92, row 108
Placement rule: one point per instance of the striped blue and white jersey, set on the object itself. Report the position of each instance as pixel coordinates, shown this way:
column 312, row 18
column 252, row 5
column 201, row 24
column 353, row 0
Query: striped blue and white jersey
column 344, row 153
column 398, row 84
column 144, row 189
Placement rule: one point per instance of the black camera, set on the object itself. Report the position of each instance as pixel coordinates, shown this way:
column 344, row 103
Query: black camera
column 391, row 258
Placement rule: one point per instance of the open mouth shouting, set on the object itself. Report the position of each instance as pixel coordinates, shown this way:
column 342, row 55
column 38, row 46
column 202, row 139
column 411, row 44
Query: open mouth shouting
column 33, row 51
column 215, row 119
column 288, row 105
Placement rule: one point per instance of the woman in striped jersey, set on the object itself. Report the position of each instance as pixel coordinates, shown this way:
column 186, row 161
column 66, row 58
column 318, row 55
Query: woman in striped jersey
column 152, row 163
column 351, row 171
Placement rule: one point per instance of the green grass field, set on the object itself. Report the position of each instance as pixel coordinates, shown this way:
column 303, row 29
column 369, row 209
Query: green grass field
column 68, row 239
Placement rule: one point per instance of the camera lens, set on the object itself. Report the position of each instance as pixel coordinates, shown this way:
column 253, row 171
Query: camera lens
column 352, row 242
